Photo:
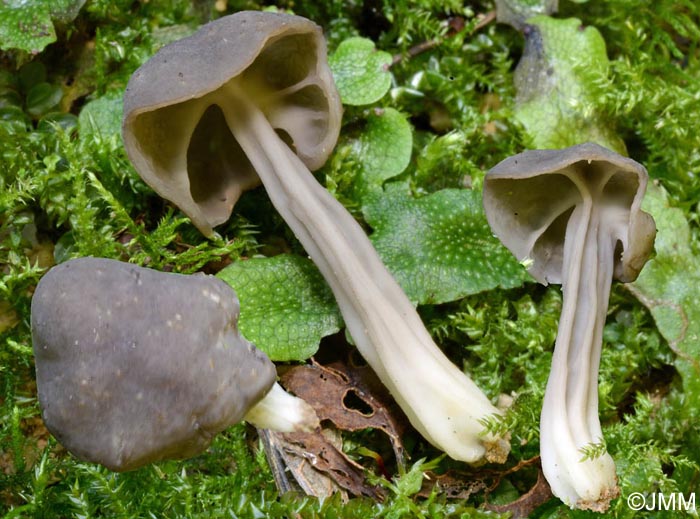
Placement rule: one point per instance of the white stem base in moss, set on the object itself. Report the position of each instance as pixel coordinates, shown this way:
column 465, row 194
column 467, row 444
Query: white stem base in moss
column 282, row 412
column 441, row 402
column 569, row 423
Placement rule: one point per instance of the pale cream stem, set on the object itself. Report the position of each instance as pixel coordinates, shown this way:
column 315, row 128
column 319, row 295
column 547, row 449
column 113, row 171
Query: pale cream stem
column 441, row 402
column 569, row 421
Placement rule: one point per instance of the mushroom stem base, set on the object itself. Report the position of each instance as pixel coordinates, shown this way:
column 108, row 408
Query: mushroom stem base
column 282, row 412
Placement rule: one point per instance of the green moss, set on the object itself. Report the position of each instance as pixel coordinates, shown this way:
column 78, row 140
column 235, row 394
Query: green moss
column 67, row 189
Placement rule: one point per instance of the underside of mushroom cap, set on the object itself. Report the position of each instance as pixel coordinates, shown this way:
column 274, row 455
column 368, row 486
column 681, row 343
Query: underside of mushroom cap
column 175, row 130
column 528, row 199
column 135, row 365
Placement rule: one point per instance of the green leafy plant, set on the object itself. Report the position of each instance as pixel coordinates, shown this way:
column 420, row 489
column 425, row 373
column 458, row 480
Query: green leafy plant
column 431, row 102
column 286, row 307
column 360, row 71
column 29, row 26
column 439, row 247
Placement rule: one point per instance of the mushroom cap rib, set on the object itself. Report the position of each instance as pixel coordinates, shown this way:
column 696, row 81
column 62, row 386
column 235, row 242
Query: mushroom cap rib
column 135, row 365
column 528, row 199
column 174, row 128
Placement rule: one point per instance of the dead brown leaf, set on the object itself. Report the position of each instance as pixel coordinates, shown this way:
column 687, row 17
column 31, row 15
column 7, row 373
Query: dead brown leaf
column 463, row 484
column 352, row 398
column 539, row 494
column 453, row 484
column 317, row 465
column 8, row 316
column 345, row 398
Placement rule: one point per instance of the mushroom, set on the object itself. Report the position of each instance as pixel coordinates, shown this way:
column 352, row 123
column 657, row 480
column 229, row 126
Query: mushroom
column 250, row 96
column 135, row 365
column 573, row 215
column 186, row 108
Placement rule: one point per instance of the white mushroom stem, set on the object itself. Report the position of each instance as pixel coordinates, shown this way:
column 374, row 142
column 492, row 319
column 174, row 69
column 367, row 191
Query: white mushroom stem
column 441, row 402
column 282, row 412
column 569, row 421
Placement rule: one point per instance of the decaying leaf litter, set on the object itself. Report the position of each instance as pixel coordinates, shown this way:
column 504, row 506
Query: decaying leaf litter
column 434, row 86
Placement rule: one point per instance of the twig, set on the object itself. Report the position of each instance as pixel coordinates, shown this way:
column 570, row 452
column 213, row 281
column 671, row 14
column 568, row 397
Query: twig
column 456, row 25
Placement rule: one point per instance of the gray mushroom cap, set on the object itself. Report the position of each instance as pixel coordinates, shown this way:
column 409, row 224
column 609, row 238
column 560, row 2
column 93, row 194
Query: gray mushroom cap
column 135, row 365
column 529, row 197
column 176, row 108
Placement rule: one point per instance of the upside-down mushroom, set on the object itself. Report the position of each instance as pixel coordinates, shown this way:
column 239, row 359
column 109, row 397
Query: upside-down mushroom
column 248, row 97
column 135, row 365
column 573, row 215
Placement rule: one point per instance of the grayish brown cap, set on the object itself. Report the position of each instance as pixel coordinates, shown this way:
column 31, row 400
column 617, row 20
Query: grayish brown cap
column 529, row 197
column 135, row 365
column 175, row 109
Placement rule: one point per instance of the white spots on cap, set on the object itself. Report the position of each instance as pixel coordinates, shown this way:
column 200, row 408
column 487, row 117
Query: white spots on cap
column 214, row 297
column 139, row 396
column 118, row 445
column 176, row 323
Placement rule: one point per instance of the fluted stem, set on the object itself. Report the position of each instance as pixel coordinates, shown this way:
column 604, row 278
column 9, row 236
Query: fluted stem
column 441, row 402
